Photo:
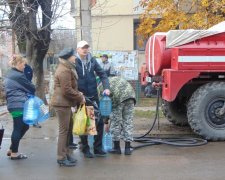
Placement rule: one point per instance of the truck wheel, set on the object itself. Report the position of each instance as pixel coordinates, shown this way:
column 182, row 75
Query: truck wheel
column 203, row 108
column 175, row 112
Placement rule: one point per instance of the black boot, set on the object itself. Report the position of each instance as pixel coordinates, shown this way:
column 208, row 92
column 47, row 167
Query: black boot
column 116, row 148
column 71, row 159
column 128, row 150
column 73, row 146
column 66, row 163
column 88, row 154
column 100, row 153
column 85, row 147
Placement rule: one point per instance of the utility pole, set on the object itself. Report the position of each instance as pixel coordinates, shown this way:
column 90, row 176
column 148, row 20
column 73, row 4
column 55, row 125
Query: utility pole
column 85, row 20
column 73, row 11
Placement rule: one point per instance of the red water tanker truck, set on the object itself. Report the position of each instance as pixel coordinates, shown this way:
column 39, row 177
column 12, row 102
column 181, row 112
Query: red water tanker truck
column 193, row 82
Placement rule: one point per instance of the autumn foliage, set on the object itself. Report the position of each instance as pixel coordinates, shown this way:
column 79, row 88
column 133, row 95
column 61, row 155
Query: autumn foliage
column 164, row 15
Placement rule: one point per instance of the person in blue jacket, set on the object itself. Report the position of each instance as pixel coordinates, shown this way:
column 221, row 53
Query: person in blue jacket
column 18, row 88
column 28, row 71
column 87, row 68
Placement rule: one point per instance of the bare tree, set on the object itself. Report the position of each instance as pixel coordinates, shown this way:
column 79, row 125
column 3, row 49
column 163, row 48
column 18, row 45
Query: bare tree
column 31, row 21
column 62, row 38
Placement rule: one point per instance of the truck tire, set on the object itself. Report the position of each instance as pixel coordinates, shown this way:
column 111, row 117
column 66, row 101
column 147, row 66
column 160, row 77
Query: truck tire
column 202, row 110
column 175, row 112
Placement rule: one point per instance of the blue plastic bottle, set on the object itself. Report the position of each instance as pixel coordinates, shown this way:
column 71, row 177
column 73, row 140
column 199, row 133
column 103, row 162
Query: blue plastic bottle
column 105, row 106
column 107, row 142
column 31, row 112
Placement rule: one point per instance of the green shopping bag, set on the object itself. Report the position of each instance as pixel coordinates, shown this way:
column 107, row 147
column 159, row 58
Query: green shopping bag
column 80, row 121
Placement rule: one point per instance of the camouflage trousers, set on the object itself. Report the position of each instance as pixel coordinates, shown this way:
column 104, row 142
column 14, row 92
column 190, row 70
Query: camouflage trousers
column 121, row 121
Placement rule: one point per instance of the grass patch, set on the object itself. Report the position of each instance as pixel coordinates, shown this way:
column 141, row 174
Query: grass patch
column 147, row 114
column 146, row 102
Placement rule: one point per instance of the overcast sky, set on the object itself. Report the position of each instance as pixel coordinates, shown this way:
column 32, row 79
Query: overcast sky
column 66, row 21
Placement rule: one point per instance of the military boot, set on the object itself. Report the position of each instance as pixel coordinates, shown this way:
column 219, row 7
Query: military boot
column 116, row 148
column 128, row 150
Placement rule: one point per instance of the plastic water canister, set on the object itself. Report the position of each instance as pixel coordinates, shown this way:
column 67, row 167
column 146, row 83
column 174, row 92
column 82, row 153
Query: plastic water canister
column 107, row 142
column 44, row 113
column 105, row 106
column 43, row 110
column 30, row 113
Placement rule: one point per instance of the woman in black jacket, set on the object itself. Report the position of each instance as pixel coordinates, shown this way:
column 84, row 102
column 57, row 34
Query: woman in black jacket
column 17, row 88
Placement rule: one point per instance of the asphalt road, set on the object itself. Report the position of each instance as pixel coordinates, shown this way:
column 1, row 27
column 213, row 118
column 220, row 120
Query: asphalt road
column 160, row 162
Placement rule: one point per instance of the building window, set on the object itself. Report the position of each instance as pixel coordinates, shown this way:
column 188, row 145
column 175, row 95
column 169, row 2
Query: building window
column 136, row 38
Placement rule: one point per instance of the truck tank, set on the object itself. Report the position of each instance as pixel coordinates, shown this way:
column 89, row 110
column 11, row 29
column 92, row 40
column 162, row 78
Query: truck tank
column 156, row 55
column 203, row 54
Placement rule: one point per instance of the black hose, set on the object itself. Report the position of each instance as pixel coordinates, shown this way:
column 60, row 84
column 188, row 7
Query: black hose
column 180, row 142
column 155, row 119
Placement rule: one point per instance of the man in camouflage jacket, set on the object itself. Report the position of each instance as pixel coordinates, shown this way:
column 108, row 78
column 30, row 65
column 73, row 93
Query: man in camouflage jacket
column 121, row 118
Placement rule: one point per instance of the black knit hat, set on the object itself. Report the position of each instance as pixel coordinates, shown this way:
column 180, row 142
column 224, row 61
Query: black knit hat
column 105, row 56
column 66, row 53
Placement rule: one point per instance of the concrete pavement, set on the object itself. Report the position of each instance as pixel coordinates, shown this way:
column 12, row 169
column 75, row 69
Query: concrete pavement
column 152, row 163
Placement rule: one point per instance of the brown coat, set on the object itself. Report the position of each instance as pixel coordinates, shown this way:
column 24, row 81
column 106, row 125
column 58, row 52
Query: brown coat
column 66, row 92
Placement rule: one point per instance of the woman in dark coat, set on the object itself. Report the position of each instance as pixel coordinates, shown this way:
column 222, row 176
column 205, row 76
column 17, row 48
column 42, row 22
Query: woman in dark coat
column 18, row 88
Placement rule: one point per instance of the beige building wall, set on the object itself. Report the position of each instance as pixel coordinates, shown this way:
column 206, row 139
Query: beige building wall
column 113, row 7
column 112, row 33
column 112, row 25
